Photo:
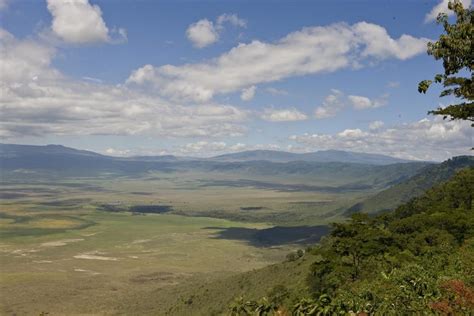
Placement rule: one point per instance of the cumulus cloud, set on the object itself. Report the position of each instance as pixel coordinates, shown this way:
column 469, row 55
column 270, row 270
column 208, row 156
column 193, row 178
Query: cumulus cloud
column 38, row 100
column 427, row 139
column 24, row 61
column 332, row 104
column 204, row 32
column 283, row 115
column 213, row 148
column 442, row 7
column 233, row 19
column 86, row 109
column 337, row 101
column 79, row 22
column 117, row 152
column 375, row 125
column 379, row 44
column 311, row 50
column 362, row 103
column 203, row 147
column 248, row 93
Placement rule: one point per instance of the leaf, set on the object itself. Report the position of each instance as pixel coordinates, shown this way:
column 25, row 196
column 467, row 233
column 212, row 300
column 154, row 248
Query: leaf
column 424, row 85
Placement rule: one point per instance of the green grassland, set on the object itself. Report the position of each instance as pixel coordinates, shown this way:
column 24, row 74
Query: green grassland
column 87, row 245
column 402, row 192
column 90, row 270
column 62, row 254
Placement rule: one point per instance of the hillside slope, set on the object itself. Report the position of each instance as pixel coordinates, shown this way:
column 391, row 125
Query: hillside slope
column 318, row 156
column 414, row 260
column 402, row 192
column 346, row 176
column 214, row 298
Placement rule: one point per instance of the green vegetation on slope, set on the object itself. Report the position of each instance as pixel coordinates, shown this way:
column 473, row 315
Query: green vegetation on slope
column 416, row 260
column 401, row 193
column 454, row 48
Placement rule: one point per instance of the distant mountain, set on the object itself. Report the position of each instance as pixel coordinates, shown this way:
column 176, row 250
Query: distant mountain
column 319, row 156
column 332, row 173
column 315, row 175
column 69, row 161
column 415, row 186
column 13, row 150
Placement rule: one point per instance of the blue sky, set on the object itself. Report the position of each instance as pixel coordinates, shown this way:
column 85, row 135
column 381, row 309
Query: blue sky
column 208, row 77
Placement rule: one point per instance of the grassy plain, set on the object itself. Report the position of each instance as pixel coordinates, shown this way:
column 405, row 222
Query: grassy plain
column 62, row 253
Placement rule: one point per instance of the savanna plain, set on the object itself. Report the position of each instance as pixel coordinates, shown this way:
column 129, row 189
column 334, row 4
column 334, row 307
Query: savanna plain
column 110, row 242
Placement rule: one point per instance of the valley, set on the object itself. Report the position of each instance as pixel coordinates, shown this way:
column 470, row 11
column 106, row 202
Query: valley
column 238, row 158
column 95, row 238
column 104, row 241
column 66, row 249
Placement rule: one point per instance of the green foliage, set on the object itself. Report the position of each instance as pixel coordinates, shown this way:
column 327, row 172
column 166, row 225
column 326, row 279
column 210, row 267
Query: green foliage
column 263, row 307
column 278, row 294
column 293, row 256
column 323, row 305
column 415, row 186
column 416, row 260
column 455, row 49
column 397, row 261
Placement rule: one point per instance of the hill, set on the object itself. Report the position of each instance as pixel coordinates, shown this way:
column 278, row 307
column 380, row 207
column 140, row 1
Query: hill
column 18, row 151
column 319, row 156
column 69, row 161
column 62, row 160
column 415, row 186
column 415, row 260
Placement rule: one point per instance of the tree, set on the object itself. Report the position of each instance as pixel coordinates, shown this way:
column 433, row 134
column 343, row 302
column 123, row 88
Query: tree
column 455, row 48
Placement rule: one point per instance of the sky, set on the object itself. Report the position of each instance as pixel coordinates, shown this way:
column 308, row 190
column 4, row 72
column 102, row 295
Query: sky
column 201, row 78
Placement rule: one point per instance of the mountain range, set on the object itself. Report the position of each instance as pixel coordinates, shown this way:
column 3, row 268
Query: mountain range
column 415, row 186
column 318, row 156
column 8, row 151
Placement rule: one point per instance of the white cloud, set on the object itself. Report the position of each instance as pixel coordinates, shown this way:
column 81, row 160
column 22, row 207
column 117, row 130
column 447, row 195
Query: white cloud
column 117, row 152
column 427, row 139
column 362, row 103
column 37, row 100
column 332, row 104
column 311, row 50
column 96, row 80
column 283, row 115
column 375, row 125
column 276, row 91
column 233, row 19
column 24, row 61
column 3, row 4
column 336, row 101
column 203, row 147
column 248, row 93
column 79, row 22
column 380, row 45
column 352, row 134
column 442, row 7
column 202, row 33
column 209, row 149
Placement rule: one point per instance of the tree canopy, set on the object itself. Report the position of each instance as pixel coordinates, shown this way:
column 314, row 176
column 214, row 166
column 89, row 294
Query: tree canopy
column 455, row 49
column 416, row 260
